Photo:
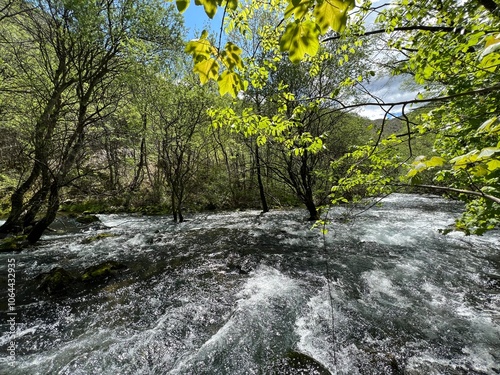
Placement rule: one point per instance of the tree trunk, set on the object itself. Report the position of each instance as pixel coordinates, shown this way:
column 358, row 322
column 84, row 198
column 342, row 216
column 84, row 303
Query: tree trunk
column 50, row 214
column 311, row 207
column 263, row 200
column 174, row 205
column 179, row 212
column 307, row 184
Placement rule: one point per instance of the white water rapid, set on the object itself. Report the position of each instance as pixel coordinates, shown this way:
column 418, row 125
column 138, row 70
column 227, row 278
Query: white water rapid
column 244, row 293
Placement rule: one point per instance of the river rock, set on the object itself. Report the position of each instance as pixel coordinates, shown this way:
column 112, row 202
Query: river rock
column 87, row 219
column 241, row 264
column 60, row 282
column 13, row 243
column 102, row 272
column 56, row 281
column 295, row 363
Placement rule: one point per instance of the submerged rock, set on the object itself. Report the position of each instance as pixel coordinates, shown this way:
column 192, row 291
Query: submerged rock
column 295, row 363
column 60, row 282
column 87, row 219
column 56, row 281
column 241, row 264
column 102, row 272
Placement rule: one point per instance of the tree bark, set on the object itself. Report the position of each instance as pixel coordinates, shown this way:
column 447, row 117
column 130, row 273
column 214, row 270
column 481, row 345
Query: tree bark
column 263, row 200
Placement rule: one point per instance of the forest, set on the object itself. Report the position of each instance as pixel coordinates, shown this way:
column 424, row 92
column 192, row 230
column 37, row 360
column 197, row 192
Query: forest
column 105, row 106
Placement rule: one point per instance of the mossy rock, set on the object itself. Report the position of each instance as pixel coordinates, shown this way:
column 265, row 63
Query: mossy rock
column 296, row 362
column 13, row 243
column 102, row 272
column 56, row 281
column 98, row 237
column 87, row 219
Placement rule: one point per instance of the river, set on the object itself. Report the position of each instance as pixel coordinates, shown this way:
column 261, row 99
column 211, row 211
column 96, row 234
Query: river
column 237, row 292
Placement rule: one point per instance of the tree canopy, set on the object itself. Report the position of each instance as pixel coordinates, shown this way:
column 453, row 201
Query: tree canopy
column 451, row 49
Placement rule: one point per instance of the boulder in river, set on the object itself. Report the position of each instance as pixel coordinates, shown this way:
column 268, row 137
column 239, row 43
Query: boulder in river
column 87, row 219
column 102, row 272
column 56, row 281
column 60, row 282
column 242, row 264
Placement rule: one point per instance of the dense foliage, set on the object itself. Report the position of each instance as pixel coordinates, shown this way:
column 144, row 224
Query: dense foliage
column 449, row 48
column 101, row 106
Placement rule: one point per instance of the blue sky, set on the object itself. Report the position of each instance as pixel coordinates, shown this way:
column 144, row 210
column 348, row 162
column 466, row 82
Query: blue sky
column 196, row 20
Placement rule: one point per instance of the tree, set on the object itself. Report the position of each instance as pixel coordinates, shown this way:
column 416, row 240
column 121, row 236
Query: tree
column 292, row 97
column 74, row 56
column 181, row 110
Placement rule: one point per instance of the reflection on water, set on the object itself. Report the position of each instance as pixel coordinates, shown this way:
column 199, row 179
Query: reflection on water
column 235, row 293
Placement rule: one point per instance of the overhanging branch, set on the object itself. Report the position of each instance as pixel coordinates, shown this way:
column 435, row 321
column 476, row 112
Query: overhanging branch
column 484, row 90
column 454, row 190
column 449, row 29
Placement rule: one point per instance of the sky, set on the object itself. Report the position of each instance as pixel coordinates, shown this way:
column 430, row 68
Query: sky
column 196, row 20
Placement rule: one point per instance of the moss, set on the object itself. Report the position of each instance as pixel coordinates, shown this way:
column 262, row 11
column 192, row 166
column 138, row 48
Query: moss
column 57, row 280
column 14, row 243
column 101, row 271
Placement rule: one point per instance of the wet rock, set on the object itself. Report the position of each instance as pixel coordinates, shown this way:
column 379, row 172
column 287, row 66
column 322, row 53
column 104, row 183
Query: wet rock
column 241, row 264
column 298, row 363
column 211, row 207
column 60, row 282
column 102, row 272
column 389, row 362
column 13, row 243
column 56, row 281
column 87, row 219
column 492, row 280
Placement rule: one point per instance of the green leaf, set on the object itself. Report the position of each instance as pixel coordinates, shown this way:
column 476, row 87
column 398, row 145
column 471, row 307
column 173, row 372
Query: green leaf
column 332, row 13
column 231, row 4
column 486, row 126
column 435, row 161
column 261, row 140
column 182, row 5
column 490, row 62
column 492, row 45
column 493, row 165
column 210, row 6
column 462, row 161
column 231, row 56
column 231, row 83
column 488, row 152
column 479, row 171
column 207, row 69
column 298, row 8
column 201, row 48
column 300, row 38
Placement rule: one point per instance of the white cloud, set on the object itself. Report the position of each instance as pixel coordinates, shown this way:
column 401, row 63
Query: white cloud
column 387, row 89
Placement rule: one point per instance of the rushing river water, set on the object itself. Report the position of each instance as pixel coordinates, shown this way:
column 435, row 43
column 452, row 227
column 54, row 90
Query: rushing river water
column 235, row 293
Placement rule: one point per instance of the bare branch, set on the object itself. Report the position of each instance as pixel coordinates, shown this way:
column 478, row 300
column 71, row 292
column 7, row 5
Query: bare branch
column 453, row 190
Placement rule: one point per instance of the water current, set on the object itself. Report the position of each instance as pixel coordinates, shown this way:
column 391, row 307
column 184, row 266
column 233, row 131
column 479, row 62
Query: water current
column 237, row 292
